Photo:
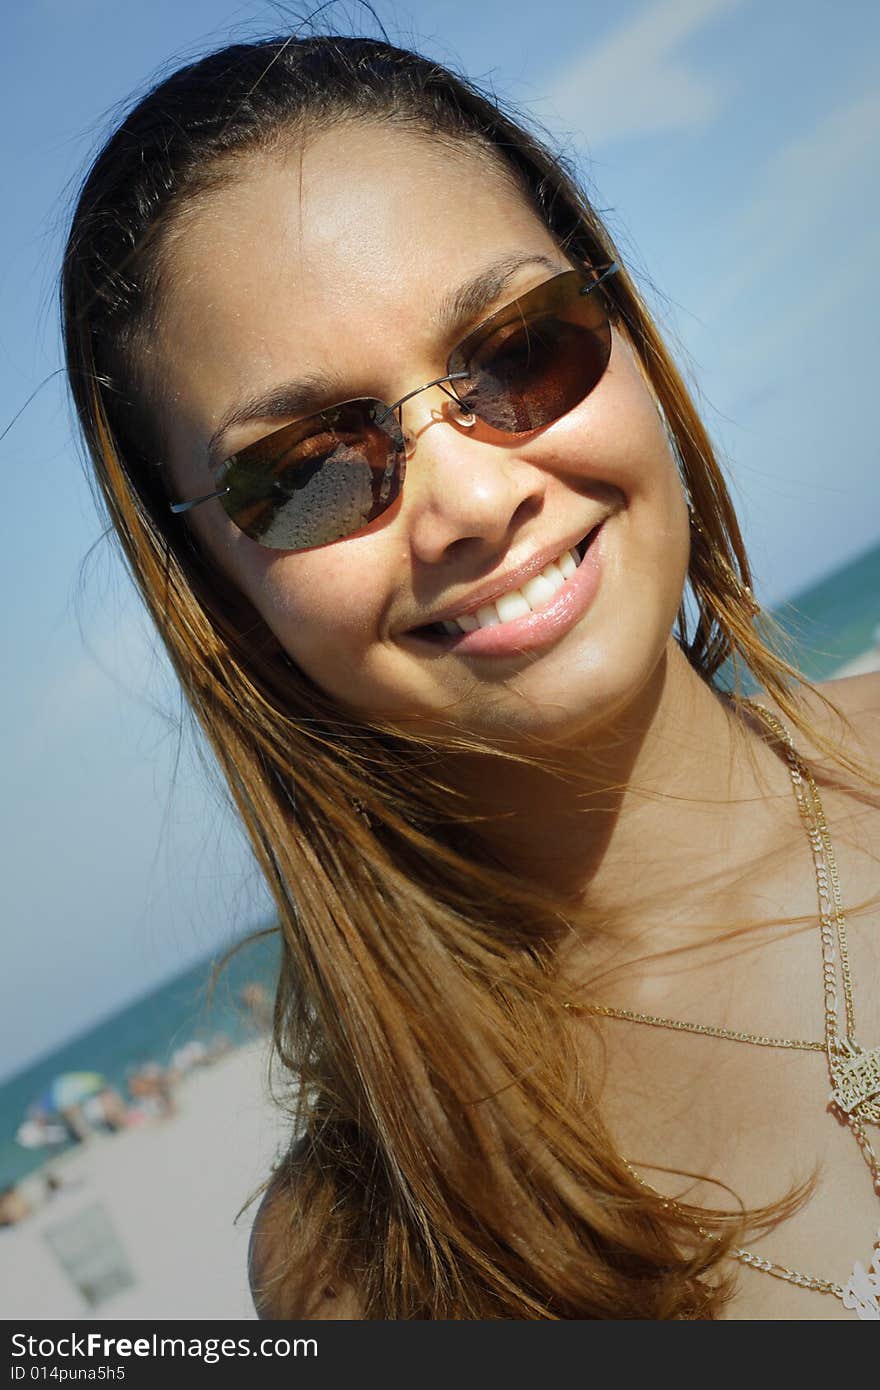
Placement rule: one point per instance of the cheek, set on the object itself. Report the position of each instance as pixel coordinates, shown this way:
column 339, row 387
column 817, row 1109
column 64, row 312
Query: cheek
column 617, row 437
column 628, row 415
column 323, row 609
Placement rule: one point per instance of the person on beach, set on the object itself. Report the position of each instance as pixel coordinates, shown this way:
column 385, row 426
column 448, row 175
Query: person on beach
column 580, row 944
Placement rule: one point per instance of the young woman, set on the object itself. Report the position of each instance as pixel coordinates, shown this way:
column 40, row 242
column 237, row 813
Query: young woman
column 414, row 494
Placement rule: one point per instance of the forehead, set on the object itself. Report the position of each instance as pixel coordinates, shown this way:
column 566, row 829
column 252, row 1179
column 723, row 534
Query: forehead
column 328, row 257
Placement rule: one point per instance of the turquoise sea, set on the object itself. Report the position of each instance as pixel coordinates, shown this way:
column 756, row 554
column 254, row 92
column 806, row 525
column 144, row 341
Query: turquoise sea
column 836, row 619
column 829, row 623
column 151, row 1029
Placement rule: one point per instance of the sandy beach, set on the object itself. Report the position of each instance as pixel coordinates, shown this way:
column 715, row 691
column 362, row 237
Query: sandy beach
column 154, row 1208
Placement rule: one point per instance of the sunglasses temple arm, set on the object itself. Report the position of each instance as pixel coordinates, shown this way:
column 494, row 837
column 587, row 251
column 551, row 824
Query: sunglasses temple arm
column 612, row 270
column 179, row 507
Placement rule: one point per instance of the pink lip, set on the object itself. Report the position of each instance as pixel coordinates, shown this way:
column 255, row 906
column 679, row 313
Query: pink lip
column 514, row 579
column 535, row 629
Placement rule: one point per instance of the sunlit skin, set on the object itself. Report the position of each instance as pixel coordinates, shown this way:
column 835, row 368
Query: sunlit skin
column 350, row 288
column 334, row 258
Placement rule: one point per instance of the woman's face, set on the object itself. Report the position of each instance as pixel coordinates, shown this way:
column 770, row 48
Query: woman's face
column 339, row 262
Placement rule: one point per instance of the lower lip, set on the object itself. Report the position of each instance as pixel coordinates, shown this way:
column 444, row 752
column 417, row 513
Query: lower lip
column 538, row 629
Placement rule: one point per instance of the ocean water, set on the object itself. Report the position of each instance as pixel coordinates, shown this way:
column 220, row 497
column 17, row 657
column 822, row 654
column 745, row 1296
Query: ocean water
column 149, row 1030
column 836, row 619
column 829, row 623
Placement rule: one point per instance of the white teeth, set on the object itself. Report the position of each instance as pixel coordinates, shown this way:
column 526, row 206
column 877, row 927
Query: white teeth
column 568, row 563
column 541, row 589
column 513, row 605
column 534, row 594
column 487, row 617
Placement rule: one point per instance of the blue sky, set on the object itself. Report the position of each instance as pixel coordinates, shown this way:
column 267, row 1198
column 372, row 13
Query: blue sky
column 731, row 144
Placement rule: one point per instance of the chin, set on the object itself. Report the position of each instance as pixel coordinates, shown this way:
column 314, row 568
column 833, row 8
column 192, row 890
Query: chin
column 608, row 672
column 571, row 718
column 559, row 707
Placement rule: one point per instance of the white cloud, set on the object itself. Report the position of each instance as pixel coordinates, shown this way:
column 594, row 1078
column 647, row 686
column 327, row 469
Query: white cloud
column 636, row 81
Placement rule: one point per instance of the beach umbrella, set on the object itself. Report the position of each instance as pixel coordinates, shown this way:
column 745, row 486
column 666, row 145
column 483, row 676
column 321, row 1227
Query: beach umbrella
column 71, row 1088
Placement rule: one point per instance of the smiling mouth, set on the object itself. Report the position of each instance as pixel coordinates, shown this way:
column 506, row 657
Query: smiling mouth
column 534, row 595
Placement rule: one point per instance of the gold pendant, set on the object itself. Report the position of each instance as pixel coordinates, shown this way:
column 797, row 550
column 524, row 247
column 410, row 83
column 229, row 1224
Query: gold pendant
column 858, row 1080
column 863, row 1290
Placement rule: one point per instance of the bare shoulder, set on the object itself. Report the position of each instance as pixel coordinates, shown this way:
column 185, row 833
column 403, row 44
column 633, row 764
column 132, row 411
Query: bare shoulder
column 857, row 698
column 856, row 695
column 283, row 1284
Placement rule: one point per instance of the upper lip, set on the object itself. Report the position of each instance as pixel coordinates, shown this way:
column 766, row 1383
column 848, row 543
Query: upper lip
column 504, row 583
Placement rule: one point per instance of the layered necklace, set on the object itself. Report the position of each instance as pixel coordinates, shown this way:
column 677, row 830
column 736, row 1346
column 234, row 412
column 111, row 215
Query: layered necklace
column 854, row 1072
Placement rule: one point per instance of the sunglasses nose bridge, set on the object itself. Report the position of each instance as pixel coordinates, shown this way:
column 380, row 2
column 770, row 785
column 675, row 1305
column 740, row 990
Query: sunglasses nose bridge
column 465, row 419
column 437, row 381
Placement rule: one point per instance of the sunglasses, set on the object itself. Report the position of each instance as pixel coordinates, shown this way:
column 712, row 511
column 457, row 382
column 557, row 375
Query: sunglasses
column 327, row 477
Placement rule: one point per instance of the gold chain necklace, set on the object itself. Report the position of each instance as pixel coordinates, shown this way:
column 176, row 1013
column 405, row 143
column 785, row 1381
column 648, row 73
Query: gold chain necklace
column 855, row 1074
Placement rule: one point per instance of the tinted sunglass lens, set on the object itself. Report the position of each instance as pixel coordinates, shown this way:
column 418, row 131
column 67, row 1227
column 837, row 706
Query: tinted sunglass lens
column 319, row 480
column 527, row 369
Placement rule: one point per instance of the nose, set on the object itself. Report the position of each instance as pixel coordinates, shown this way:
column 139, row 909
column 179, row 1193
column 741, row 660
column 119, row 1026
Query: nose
column 463, row 487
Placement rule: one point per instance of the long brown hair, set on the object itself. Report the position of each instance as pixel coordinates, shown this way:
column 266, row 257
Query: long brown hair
column 444, row 1163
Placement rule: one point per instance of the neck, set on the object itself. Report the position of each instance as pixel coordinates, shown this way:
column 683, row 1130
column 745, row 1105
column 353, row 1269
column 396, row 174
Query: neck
column 655, row 811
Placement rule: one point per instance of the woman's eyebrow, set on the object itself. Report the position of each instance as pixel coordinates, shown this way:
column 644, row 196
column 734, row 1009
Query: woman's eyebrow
column 279, row 403
column 312, row 393
column 475, row 295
